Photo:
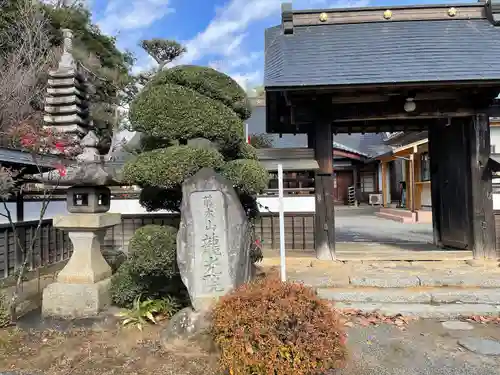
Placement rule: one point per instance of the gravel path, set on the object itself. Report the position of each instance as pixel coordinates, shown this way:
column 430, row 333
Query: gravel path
column 425, row 348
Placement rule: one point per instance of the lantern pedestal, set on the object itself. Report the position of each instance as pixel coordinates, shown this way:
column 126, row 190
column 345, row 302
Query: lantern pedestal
column 82, row 286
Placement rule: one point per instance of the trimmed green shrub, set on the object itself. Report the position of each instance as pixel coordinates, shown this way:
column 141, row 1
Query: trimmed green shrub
column 114, row 258
column 152, row 251
column 240, row 150
column 155, row 198
column 175, row 112
column 247, row 151
column 169, row 167
column 208, row 82
column 151, row 268
column 248, row 176
column 126, row 286
column 271, row 327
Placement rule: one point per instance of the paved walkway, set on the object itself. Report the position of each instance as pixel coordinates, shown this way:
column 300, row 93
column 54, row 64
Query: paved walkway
column 360, row 235
column 361, row 225
column 424, row 348
column 386, row 274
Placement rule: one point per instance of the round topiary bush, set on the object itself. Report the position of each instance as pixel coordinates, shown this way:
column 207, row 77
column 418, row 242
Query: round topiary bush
column 152, row 251
column 247, row 151
column 249, row 176
column 271, row 327
column 208, row 82
column 126, row 286
column 175, row 112
column 169, row 167
column 151, row 268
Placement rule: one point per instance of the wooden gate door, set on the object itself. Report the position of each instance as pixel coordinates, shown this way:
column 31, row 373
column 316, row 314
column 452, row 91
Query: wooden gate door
column 340, row 191
column 450, row 183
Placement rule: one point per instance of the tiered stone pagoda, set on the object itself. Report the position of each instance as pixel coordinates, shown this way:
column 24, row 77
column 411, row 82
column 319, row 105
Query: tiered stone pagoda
column 82, row 286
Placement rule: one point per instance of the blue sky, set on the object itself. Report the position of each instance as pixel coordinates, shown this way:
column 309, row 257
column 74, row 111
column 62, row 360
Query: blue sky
column 225, row 34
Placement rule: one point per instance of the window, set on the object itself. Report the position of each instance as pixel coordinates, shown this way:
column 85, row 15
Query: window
column 367, row 180
column 293, row 183
column 425, row 167
column 492, row 149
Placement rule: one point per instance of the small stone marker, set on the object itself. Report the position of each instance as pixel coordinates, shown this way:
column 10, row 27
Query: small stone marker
column 457, row 325
column 213, row 242
column 481, row 346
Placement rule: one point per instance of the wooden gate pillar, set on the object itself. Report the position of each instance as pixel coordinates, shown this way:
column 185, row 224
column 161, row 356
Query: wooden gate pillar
column 325, row 214
column 483, row 220
column 462, row 201
column 435, row 148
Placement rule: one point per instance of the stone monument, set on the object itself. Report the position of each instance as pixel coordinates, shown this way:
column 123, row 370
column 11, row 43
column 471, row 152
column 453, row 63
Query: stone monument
column 82, row 286
column 214, row 239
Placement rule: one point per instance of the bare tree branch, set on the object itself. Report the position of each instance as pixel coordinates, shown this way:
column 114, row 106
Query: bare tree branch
column 25, row 57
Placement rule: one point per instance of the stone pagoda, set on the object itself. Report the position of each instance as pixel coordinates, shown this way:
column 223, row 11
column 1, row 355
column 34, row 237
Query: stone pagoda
column 82, row 286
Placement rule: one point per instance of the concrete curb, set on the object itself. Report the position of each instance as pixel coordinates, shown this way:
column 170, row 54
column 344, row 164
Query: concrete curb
column 478, row 281
column 447, row 311
column 433, row 296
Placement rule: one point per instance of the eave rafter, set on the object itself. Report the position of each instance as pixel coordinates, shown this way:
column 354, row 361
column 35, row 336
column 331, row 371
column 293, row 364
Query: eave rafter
column 374, row 109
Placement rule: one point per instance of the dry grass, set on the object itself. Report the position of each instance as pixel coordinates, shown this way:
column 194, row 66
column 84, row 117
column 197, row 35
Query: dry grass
column 103, row 351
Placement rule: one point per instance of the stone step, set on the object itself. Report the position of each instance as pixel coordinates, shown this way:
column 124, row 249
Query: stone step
column 398, row 218
column 421, row 310
column 424, row 217
column 422, row 279
column 398, row 280
column 432, row 296
column 397, row 212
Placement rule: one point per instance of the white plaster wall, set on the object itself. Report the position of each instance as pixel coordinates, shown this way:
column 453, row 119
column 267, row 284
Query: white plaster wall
column 495, row 141
column 132, row 206
column 379, row 174
column 290, row 204
column 495, row 138
column 496, row 201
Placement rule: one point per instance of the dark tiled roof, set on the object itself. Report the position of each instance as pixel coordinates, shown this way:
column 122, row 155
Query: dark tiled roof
column 380, row 52
column 404, row 138
column 369, row 144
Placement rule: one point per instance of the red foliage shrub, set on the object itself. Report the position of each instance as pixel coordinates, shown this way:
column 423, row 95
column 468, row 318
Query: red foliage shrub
column 268, row 327
column 34, row 138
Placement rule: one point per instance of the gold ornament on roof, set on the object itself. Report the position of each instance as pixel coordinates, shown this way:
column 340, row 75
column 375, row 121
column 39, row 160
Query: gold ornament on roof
column 452, row 12
column 323, row 17
column 388, row 14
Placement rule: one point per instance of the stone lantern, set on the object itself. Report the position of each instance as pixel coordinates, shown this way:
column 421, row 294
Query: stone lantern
column 82, row 286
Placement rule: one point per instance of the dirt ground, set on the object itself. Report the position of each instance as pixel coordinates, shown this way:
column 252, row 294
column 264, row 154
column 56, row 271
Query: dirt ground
column 377, row 346
column 99, row 350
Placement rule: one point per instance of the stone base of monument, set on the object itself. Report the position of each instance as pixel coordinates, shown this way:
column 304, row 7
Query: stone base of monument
column 188, row 324
column 82, row 286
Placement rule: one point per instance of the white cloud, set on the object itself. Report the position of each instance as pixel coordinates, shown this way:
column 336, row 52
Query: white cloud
column 244, row 60
column 248, row 80
column 144, row 65
column 225, row 35
column 123, row 15
column 228, row 26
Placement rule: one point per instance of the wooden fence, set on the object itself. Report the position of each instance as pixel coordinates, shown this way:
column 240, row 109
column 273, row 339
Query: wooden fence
column 53, row 245
column 299, row 228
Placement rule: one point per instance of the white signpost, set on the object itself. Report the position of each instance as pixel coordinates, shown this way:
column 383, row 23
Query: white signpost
column 282, row 222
